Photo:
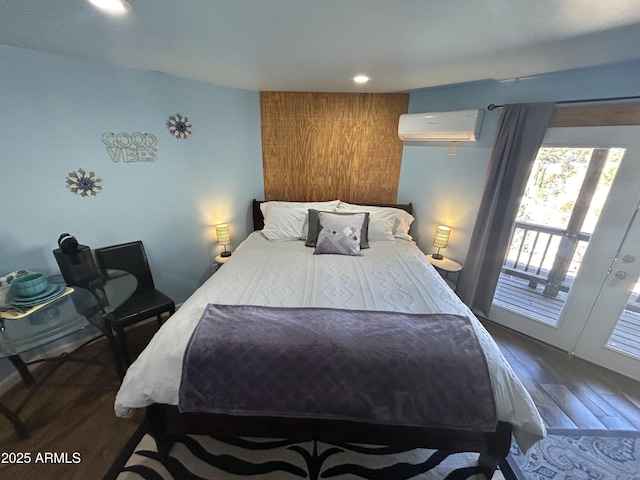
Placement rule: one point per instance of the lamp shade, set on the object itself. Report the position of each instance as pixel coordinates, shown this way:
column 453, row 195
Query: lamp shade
column 442, row 236
column 223, row 233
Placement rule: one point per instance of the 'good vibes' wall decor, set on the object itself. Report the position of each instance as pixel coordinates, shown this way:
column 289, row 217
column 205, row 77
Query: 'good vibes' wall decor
column 130, row 147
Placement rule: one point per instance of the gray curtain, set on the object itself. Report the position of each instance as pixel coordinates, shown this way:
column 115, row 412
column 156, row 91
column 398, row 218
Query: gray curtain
column 520, row 132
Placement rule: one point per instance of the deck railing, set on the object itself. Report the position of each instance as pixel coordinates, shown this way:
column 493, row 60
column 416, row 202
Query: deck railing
column 534, row 254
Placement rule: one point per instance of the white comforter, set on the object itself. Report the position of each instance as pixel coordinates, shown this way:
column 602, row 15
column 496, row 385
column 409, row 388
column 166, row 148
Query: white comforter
column 389, row 276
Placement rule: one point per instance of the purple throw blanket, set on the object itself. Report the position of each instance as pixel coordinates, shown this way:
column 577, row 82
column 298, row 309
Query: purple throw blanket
column 367, row 366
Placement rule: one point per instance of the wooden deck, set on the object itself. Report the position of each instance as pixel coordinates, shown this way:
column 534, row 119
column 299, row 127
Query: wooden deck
column 514, row 294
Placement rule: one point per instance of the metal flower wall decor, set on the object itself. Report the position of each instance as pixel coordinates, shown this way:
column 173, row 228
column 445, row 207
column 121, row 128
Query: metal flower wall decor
column 85, row 184
column 179, row 126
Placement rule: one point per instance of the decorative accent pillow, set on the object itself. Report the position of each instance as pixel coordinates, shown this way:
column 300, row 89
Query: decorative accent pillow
column 385, row 223
column 301, row 206
column 314, row 228
column 339, row 234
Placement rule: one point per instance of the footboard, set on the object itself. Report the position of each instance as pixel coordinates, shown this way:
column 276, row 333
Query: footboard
column 165, row 421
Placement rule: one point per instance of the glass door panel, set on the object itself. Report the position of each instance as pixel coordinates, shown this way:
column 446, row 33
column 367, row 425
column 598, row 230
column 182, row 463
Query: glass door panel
column 611, row 335
column 558, row 213
column 626, row 334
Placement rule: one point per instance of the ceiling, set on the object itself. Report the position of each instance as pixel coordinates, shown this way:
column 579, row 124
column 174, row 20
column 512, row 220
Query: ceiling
column 319, row 45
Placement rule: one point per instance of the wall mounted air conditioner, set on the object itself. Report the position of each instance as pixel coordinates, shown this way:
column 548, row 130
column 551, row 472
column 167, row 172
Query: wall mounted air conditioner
column 454, row 126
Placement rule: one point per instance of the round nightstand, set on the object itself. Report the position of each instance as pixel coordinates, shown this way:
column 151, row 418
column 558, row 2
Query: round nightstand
column 445, row 266
column 222, row 260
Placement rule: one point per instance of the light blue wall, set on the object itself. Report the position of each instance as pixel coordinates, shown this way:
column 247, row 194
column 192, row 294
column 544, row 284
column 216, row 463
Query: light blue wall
column 446, row 189
column 53, row 112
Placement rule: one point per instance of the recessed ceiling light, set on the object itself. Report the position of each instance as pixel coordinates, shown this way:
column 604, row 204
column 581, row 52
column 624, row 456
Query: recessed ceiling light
column 115, row 6
column 361, row 79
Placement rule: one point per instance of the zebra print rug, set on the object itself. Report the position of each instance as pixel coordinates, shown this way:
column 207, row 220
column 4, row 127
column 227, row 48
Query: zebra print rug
column 203, row 457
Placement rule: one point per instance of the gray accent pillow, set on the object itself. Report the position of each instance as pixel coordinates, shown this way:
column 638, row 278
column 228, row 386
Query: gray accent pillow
column 339, row 234
column 314, row 227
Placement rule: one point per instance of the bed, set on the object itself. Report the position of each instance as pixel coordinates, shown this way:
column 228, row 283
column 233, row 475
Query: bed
column 279, row 266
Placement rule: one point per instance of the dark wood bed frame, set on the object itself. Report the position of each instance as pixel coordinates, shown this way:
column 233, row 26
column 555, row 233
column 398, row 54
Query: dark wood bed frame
column 164, row 422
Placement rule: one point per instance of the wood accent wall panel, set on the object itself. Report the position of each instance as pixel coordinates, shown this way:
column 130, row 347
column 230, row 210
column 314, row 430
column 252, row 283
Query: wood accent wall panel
column 326, row 146
column 596, row 115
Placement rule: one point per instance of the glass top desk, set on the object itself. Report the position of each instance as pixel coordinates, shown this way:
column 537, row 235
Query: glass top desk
column 64, row 316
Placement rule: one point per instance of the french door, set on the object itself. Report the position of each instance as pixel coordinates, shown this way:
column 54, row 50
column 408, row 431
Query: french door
column 618, row 301
column 581, row 294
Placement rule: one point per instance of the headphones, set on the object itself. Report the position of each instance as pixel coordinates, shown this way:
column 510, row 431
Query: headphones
column 68, row 244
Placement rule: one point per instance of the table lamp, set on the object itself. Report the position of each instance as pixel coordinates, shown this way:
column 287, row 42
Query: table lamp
column 440, row 240
column 224, row 237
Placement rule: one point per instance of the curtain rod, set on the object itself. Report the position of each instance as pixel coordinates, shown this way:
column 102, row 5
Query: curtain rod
column 587, row 100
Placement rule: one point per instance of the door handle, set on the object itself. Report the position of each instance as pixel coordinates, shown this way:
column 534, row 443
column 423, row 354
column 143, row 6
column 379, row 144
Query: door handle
column 621, row 274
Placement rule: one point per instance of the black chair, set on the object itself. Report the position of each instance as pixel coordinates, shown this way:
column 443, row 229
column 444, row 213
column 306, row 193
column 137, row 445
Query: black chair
column 144, row 303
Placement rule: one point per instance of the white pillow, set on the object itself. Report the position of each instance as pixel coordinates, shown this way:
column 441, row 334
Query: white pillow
column 283, row 224
column 402, row 225
column 385, row 223
column 381, row 227
column 303, row 207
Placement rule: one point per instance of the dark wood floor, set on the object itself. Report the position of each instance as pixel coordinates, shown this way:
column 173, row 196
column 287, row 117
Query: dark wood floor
column 568, row 391
column 71, row 413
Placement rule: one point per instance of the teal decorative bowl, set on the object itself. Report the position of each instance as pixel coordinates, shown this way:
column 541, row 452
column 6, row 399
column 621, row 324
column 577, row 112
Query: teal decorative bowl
column 29, row 285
